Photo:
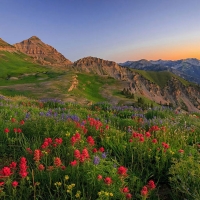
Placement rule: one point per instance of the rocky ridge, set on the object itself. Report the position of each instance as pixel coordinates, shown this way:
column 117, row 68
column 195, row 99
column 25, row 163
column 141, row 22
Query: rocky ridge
column 4, row 46
column 41, row 52
column 100, row 67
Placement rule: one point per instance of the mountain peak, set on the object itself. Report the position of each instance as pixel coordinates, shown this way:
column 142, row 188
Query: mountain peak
column 34, row 38
column 41, row 52
column 192, row 61
column 98, row 66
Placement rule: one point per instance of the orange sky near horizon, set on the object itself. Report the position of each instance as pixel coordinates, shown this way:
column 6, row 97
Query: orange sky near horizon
column 165, row 52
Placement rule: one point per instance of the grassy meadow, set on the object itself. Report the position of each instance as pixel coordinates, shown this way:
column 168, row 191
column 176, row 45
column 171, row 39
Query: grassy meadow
column 55, row 84
column 55, row 150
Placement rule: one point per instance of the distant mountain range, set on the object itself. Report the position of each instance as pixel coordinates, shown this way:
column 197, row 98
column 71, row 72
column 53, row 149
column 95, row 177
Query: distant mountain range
column 161, row 81
column 188, row 69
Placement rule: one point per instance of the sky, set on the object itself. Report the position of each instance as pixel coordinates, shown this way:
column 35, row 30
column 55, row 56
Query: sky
column 117, row 30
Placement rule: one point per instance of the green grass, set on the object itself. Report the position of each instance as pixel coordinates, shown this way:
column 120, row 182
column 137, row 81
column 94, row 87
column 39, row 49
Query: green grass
column 160, row 78
column 37, row 78
column 90, row 86
column 146, row 100
column 13, row 93
column 183, row 81
column 15, row 64
column 118, row 93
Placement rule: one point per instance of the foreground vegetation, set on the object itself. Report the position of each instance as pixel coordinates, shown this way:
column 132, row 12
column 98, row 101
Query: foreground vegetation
column 55, row 150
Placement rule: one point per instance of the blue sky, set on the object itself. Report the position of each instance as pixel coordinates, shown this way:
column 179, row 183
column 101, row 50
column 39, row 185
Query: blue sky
column 117, row 30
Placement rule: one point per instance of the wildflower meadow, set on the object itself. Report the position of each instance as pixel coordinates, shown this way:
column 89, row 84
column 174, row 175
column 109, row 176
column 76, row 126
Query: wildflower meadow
column 54, row 150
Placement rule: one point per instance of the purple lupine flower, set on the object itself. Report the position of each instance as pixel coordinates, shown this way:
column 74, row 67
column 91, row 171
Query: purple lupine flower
column 103, row 155
column 96, row 160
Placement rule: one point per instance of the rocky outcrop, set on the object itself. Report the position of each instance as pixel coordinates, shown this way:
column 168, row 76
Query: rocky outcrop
column 99, row 66
column 74, row 83
column 4, row 46
column 41, row 52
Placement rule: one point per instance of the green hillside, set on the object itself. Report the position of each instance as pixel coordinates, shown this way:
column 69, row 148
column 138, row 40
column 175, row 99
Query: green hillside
column 18, row 68
column 15, row 64
column 90, row 86
column 161, row 77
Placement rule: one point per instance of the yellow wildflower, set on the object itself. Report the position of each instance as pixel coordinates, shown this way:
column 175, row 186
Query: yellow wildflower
column 57, row 183
column 106, row 193
column 73, row 185
column 77, row 195
column 66, row 177
column 69, row 187
column 67, row 134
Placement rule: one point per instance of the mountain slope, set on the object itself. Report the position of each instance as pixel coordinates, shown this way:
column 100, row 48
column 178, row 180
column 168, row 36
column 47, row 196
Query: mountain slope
column 173, row 91
column 41, row 52
column 19, row 68
column 15, row 63
column 161, row 77
column 4, row 46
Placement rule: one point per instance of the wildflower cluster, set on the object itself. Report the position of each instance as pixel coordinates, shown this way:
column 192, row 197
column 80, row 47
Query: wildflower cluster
column 70, row 188
column 103, row 194
column 76, row 138
column 23, row 167
column 49, row 142
column 81, row 156
column 148, row 188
